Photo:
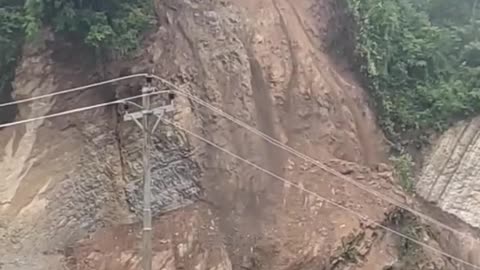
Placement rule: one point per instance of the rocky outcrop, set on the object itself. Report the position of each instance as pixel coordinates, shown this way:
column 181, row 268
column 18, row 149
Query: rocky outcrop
column 449, row 177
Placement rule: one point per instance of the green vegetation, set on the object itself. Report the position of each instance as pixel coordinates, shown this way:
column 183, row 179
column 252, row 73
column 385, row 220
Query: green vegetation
column 421, row 60
column 112, row 25
column 11, row 38
column 107, row 26
column 410, row 227
column 403, row 165
column 348, row 252
column 410, row 254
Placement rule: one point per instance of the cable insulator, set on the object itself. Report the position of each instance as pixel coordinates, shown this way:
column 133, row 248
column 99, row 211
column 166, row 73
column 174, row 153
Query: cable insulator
column 149, row 79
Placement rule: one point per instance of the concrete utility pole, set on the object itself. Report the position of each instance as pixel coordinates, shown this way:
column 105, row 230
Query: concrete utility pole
column 145, row 114
column 147, row 179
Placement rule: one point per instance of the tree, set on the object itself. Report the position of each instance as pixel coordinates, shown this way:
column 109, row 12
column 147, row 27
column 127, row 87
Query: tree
column 106, row 26
column 421, row 60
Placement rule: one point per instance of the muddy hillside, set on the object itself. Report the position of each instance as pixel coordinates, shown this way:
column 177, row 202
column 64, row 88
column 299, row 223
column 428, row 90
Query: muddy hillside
column 71, row 187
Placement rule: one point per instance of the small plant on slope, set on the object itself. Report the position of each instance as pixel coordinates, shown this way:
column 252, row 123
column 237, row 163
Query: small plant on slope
column 403, row 165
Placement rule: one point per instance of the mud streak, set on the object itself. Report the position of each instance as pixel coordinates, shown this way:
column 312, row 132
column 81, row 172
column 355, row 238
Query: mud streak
column 263, row 105
column 293, row 80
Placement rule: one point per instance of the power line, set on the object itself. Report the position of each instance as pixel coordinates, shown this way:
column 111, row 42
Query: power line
column 74, row 89
column 255, row 131
column 319, row 164
column 320, row 197
column 119, row 101
column 147, row 129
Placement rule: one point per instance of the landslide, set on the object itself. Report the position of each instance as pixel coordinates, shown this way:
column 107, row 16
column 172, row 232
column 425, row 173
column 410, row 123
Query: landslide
column 70, row 190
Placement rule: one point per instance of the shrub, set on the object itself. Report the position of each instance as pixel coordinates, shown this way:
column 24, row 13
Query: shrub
column 108, row 25
column 11, row 38
column 403, row 165
column 421, row 61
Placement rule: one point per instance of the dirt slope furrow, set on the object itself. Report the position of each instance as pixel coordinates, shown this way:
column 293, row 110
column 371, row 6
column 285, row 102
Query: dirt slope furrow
column 365, row 134
column 264, row 106
column 197, row 60
column 293, row 79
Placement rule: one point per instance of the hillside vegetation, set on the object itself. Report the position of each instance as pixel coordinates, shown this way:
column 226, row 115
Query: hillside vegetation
column 11, row 38
column 112, row 27
column 421, row 60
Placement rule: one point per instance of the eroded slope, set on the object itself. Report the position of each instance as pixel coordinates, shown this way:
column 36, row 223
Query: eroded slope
column 70, row 187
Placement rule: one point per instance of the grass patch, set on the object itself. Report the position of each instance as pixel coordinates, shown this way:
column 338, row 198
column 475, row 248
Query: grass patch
column 403, row 165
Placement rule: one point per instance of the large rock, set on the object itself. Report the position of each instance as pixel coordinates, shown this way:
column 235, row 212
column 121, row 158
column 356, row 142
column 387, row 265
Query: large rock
column 450, row 176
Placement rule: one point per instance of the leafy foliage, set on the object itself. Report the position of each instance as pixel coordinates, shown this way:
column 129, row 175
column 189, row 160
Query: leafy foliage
column 421, row 59
column 403, row 165
column 11, row 38
column 11, row 33
column 107, row 26
column 410, row 254
column 114, row 25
